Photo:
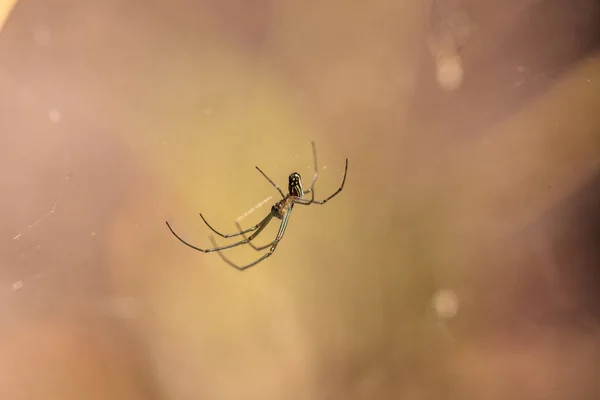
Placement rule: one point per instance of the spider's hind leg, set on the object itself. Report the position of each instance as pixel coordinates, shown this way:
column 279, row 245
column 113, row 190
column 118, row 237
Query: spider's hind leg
column 276, row 186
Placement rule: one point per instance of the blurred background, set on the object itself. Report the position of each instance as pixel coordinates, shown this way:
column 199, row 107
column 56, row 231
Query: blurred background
column 461, row 260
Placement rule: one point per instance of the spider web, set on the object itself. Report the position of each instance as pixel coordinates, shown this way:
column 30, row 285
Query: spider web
column 38, row 220
column 52, row 209
column 254, row 208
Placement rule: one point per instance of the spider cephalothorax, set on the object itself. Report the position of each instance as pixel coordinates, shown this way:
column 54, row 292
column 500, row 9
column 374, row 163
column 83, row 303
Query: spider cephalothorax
column 280, row 210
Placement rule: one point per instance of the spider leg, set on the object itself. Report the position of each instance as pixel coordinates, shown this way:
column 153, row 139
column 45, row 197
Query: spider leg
column 228, row 235
column 271, row 182
column 245, row 240
column 264, row 223
column 273, row 245
column 339, row 189
column 311, row 189
column 305, row 202
column 259, row 248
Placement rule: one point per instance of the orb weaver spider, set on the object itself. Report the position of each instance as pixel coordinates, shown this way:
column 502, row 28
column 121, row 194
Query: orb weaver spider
column 280, row 210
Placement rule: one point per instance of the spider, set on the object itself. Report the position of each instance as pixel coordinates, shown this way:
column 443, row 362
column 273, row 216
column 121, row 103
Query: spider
column 280, row 210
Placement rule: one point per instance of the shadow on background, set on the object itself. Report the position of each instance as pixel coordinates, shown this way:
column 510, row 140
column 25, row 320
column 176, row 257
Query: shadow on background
column 459, row 260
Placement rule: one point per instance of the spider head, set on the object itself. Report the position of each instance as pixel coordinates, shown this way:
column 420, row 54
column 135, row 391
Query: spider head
column 295, row 185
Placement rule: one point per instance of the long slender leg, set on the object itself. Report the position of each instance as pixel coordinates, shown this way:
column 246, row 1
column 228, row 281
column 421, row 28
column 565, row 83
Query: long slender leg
column 259, row 248
column 305, row 202
column 311, row 189
column 339, row 189
column 316, row 167
column 228, row 235
column 245, row 240
column 271, row 182
column 264, row 223
column 280, row 234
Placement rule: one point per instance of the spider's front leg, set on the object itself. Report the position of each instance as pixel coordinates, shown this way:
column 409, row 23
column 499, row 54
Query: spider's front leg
column 228, row 235
column 273, row 245
column 262, row 226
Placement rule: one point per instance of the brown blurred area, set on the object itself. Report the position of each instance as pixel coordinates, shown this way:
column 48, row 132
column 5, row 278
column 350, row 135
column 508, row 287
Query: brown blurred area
column 461, row 261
